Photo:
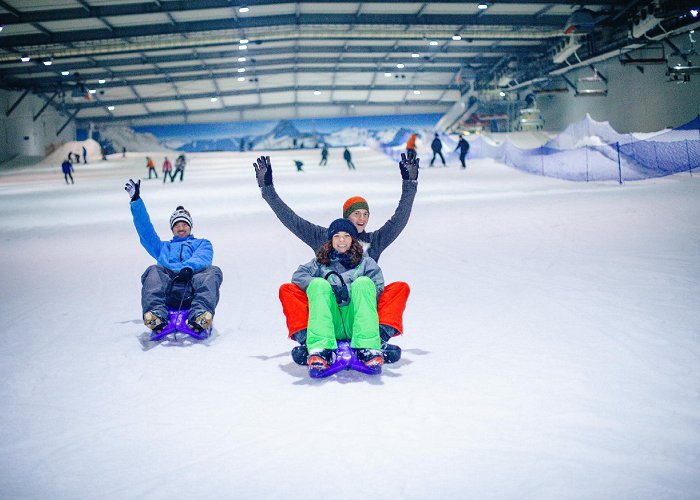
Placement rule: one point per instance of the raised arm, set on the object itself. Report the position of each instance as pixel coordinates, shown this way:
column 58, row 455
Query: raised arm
column 311, row 234
column 147, row 234
column 385, row 235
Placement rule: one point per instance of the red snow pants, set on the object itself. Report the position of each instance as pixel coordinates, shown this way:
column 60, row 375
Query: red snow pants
column 392, row 303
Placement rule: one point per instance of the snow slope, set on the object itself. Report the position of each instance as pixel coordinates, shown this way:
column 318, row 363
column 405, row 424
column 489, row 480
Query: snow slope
column 551, row 347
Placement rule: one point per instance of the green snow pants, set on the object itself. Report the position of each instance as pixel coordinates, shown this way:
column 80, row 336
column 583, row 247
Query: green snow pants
column 358, row 321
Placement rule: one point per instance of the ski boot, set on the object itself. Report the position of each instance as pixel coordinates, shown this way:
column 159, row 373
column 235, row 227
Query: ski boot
column 320, row 359
column 153, row 321
column 201, row 321
column 370, row 357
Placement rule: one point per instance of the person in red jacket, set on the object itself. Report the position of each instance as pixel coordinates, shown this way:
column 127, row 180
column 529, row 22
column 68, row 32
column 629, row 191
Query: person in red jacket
column 167, row 169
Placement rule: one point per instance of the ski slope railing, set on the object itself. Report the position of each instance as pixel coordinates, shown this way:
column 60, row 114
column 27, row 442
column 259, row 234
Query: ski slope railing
column 626, row 159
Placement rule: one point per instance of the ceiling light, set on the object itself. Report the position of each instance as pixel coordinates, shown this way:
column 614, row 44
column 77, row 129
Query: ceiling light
column 243, row 10
column 25, row 58
column 2, row 28
column 47, row 62
column 241, row 59
column 111, row 108
column 241, row 79
column 317, row 92
column 101, row 81
column 694, row 12
column 456, row 37
column 415, row 55
column 433, row 42
column 92, row 91
column 242, row 47
column 387, row 74
column 243, row 41
column 400, row 65
column 65, row 73
column 416, row 92
column 502, row 94
column 241, row 70
column 214, row 99
column 482, row 6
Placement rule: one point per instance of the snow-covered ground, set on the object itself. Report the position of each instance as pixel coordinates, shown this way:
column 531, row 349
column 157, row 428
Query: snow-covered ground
column 552, row 345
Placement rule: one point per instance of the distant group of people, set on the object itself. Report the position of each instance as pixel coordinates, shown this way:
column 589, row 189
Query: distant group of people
column 67, row 165
column 436, row 147
column 167, row 168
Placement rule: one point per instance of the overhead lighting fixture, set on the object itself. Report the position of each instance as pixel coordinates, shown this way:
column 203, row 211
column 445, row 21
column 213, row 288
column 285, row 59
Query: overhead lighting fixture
column 482, row 6
column 416, row 92
column 65, row 73
column 243, row 10
column 243, row 41
column 47, row 62
column 242, row 47
column 387, row 74
column 2, row 28
column 241, row 79
column 317, row 92
column 241, row 70
column 400, row 66
column 25, row 58
column 693, row 12
column 101, row 81
column 111, row 108
column 214, row 99
column 241, row 59
column 502, row 94
column 415, row 55
column 92, row 91
column 433, row 43
column 456, row 38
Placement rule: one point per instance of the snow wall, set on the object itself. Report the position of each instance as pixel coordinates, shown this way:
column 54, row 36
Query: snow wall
column 586, row 151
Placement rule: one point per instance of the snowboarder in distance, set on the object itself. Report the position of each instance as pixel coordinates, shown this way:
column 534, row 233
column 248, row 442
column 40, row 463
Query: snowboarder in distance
column 167, row 169
column 150, row 164
column 299, row 165
column 67, row 168
column 348, row 158
column 180, row 163
column 463, row 147
column 184, row 260
column 436, row 146
column 411, row 146
column 324, row 156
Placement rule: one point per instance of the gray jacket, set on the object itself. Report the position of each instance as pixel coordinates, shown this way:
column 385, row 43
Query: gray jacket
column 367, row 267
column 374, row 242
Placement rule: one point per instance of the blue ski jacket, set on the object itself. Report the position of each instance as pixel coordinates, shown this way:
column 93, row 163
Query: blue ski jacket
column 175, row 254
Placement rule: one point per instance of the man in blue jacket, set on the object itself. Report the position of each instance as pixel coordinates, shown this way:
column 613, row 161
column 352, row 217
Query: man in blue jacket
column 182, row 260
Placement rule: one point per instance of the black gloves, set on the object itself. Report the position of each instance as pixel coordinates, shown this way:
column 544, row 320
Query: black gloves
column 133, row 188
column 185, row 275
column 342, row 297
column 409, row 166
column 263, row 171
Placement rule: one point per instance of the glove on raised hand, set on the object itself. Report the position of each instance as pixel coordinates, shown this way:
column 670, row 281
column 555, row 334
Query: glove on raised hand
column 342, row 297
column 409, row 166
column 133, row 188
column 263, row 171
column 185, row 275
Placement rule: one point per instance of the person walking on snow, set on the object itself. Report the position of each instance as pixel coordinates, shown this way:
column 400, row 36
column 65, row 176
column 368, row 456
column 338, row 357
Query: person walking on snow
column 463, row 147
column 67, row 168
column 84, row 155
column 411, row 146
column 342, row 285
column 180, row 163
column 348, row 158
column 324, row 156
column 167, row 168
column 436, row 146
column 184, row 259
column 150, row 164
column 356, row 209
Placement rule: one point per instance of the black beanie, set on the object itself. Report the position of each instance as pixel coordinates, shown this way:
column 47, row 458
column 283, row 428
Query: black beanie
column 339, row 225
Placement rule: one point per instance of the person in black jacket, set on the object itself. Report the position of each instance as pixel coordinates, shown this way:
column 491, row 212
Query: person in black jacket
column 436, row 146
column 463, row 147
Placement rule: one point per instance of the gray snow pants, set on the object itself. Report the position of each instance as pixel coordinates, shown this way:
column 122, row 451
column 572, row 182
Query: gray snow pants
column 156, row 281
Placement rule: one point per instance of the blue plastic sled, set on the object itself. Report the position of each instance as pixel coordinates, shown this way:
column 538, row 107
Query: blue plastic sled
column 177, row 322
column 345, row 359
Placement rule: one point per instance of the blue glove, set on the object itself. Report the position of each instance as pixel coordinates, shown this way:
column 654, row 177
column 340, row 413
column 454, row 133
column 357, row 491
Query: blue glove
column 342, row 296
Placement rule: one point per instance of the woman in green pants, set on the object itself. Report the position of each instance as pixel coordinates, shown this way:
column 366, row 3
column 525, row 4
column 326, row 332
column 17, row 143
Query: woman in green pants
column 343, row 287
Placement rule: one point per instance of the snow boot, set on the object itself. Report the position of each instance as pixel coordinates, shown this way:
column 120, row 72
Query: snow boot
column 370, row 357
column 199, row 322
column 300, row 355
column 320, row 359
column 392, row 353
column 153, row 321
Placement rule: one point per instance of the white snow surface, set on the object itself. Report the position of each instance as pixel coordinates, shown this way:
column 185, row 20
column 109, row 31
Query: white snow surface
column 551, row 346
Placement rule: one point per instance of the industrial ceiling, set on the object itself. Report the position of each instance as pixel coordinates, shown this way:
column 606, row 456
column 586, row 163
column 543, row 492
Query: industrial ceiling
column 164, row 61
